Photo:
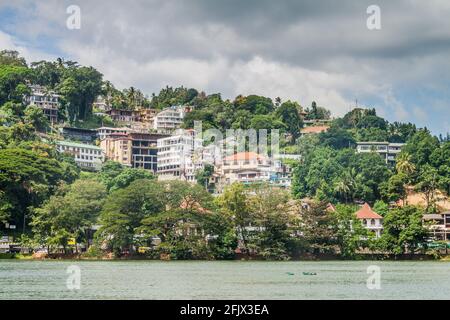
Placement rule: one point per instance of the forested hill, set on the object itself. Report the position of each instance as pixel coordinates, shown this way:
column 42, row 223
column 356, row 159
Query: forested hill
column 43, row 191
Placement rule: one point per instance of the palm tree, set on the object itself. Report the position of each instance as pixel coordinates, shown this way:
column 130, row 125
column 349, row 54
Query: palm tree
column 342, row 188
column 404, row 164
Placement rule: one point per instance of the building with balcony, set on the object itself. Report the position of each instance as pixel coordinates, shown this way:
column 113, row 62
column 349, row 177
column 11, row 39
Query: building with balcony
column 371, row 220
column 169, row 119
column 86, row 156
column 246, row 167
column 134, row 149
column 438, row 225
column 177, row 156
column 47, row 100
column 388, row 151
column 123, row 115
column 117, row 147
column 103, row 132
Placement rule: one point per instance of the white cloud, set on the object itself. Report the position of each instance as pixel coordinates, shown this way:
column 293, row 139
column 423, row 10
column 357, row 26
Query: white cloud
column 7, row 42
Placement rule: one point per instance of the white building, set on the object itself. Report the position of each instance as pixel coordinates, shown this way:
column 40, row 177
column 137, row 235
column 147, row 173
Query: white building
column 177, row 157
column 100, row 104
column 85, row 155
column 47, row 100
column 388, row 151
column 371, row 220
column 169, row 119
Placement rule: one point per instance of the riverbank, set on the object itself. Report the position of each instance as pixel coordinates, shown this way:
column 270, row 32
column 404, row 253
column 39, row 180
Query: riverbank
column 365, row 257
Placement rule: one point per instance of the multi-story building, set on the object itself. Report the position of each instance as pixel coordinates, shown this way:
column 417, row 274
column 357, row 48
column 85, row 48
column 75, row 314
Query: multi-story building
column 48, row 101
column 144, row 150
column 103, row 132
column 147, row 114
column 169, row 119
column 138, row 150
column 117, row 147
column 246, row 167
column 123, row 115
column 438, row 225
column 86, row 156
column 388, row 151
column 370, row 220
column 177, row 156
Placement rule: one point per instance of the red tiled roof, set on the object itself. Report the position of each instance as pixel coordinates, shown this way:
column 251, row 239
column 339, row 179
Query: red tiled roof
column 315, row 129
column 366, row 212
column 244, row 156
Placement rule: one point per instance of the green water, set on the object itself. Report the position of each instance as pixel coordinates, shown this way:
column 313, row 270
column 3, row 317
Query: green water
column 223, row 280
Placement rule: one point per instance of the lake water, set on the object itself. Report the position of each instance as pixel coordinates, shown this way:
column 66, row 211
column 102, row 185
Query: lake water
column 223, row 280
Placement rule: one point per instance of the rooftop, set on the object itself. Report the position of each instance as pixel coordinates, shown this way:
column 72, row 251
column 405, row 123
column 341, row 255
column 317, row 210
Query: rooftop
column 366, row 212
column 315, row 129
column 244, row 156
column 77, row 145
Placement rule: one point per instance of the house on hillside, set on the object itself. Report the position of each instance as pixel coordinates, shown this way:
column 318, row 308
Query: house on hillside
column 45, row 99
column 371, row 220
column 388, row 151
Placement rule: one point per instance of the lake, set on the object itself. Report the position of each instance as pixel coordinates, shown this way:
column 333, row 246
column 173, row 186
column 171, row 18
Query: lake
column 224, row 280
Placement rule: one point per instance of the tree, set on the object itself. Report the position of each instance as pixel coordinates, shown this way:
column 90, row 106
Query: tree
column 79, row 87
column 70, row 213
column 254, row 104
column 316, row 222
column 336, row 138
column 123, row 212
column 420, row 147
column 26, row 178
column 13, row 83
column 36, row 117
column 288, row 114
column 11, row 58
column 317, row 113
column 350, row 234
column 234, row 204
column 404, row 164
column 440, row 159
column 127, row 176
column 271, row 210
column 428, row 185
column 203, row 176
column 394, row 189
column 403, row 231
column 180, row 225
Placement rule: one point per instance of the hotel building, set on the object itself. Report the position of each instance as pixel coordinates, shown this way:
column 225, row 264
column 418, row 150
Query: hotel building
column 177, row 158
column 86, row 156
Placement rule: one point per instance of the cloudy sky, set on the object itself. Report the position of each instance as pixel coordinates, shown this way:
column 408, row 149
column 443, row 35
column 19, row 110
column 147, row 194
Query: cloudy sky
column 303, row 50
